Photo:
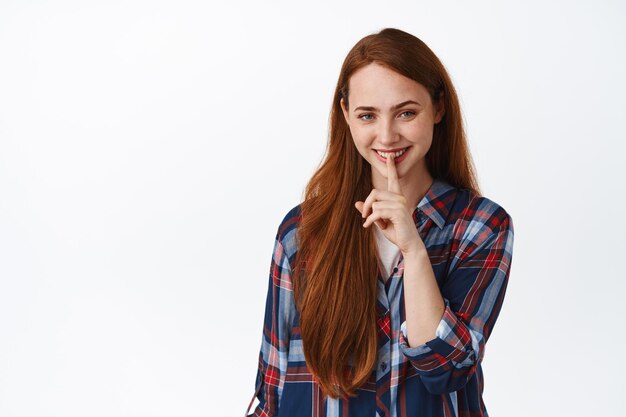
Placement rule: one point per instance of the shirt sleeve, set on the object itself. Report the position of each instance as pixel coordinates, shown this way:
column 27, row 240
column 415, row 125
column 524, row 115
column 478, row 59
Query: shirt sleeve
column 473, row 294
column 273, row 356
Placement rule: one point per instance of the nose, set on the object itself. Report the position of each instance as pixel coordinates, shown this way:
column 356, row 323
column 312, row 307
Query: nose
column 387, row 134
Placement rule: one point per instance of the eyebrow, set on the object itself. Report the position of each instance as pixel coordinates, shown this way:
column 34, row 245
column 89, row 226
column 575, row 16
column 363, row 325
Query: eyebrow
column 397, row 106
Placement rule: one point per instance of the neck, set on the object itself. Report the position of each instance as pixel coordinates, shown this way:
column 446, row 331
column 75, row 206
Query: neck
column 417, row 191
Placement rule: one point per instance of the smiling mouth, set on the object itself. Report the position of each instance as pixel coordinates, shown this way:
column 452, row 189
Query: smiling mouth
column 397, row 154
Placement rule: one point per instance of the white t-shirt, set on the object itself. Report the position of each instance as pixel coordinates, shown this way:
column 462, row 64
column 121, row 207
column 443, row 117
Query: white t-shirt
column 388, row 252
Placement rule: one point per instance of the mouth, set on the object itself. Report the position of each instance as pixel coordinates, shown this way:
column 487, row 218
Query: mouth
column 400, row 155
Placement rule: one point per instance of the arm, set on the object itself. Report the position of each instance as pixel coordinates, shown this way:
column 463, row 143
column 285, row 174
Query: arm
column 473, row 294
column 275, row 340
column 423, row 304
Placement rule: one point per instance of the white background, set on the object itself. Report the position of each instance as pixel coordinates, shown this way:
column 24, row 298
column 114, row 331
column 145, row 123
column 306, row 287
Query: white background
column 149, row 150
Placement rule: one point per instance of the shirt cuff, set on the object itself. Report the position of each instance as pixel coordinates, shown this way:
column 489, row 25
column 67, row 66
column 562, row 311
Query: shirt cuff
column 451, row 347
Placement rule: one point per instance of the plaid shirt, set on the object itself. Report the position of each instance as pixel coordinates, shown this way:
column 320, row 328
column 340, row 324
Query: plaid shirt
column 470, row 244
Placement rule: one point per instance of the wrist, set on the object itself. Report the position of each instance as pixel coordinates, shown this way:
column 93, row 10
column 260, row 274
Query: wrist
column 418, row 250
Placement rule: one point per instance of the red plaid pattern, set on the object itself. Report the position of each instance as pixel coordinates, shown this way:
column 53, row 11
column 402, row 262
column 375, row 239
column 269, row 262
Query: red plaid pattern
column 469, row 239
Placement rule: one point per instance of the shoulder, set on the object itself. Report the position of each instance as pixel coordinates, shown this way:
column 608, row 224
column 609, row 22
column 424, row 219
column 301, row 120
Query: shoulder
column 480, row 223
column 477, row 212
column 287, row 231
column 289, row 222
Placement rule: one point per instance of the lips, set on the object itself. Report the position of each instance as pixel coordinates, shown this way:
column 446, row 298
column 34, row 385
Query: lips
column 397, row 159
column 391, row 150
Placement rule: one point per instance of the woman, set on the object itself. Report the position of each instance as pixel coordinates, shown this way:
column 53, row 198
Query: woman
column 386, row 281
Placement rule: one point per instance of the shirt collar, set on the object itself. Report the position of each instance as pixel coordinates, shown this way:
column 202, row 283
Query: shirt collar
column 437, row 202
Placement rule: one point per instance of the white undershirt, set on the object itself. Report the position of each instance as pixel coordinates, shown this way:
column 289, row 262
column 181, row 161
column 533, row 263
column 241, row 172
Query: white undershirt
column 388, row 252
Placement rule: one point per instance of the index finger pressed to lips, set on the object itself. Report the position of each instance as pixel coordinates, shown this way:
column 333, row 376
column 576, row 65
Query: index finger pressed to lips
column 393, row 184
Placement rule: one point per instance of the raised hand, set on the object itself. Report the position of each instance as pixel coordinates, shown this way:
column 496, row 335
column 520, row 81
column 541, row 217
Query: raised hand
column 389, row 211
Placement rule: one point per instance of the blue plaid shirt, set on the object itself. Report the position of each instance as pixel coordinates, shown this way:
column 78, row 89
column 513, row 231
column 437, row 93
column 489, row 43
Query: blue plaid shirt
column 470, row 244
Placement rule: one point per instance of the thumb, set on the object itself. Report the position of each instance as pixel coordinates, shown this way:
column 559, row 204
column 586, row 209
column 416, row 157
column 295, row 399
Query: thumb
column 359, row 206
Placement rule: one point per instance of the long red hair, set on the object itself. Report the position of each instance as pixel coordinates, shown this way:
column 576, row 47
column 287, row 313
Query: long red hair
column 336, row 269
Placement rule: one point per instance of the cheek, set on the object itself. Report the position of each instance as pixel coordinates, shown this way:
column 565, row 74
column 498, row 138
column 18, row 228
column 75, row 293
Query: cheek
column 360, row 137
column 421, row 129
column 361, row 147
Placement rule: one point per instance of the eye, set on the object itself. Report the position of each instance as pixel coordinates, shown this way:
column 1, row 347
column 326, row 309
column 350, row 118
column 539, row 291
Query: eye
column 364, row 114
column 410, row 113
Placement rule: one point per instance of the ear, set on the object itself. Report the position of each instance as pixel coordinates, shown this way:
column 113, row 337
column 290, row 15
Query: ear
column 440, row 108
column 344, row 110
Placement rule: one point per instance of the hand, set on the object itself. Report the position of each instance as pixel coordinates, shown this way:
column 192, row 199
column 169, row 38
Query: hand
column 389, row 211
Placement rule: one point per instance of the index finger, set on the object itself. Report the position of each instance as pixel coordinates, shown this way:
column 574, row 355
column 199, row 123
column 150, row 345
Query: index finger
column 393, row 184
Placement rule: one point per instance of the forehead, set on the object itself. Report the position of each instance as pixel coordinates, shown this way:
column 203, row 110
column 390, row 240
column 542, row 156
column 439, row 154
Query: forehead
column 375, row 84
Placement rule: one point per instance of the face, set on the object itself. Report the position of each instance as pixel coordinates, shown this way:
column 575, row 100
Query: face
column 390, row 112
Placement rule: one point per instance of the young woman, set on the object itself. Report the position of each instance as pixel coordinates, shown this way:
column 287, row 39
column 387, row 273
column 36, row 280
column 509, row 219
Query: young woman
column 386, row 281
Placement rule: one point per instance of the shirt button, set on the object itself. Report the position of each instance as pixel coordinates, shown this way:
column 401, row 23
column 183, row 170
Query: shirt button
column 395, row 270
column 383, row 366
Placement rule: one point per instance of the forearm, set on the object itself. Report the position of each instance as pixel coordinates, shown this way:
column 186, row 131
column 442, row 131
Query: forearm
column 423, row 303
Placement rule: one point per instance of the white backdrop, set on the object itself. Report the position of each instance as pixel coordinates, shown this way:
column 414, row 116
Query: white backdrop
column 149, row 150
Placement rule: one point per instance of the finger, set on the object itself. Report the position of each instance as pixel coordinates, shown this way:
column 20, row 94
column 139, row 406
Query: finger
column 378, row 217
column 382, row 211
column 393, row 184
column 359, row 206
column 367, row 204
column 377, row 196
column 381, row 223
